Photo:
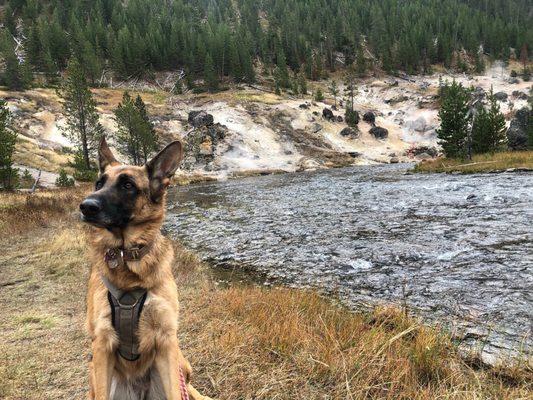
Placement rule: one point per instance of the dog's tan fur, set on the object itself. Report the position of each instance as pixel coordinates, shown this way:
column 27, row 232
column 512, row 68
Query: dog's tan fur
column 158, row 343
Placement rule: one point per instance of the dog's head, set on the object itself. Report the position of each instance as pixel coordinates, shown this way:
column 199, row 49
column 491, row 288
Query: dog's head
column 130, row 195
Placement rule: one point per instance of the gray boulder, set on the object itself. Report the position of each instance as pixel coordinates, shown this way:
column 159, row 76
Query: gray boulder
column 517, row 134
column 501, row 96
column 369, row 117
column 200, row 118
column 315, row 128
column 328, row 114
column 379, row 132
column 350, row 132
column 519, row 95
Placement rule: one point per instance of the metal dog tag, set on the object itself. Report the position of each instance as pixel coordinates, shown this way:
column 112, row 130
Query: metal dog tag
column 113, row 258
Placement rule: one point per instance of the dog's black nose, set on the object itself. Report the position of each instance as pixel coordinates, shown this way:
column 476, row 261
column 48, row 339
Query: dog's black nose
column 90, row 207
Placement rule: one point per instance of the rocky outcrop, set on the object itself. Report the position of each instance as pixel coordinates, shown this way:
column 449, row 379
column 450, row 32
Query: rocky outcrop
column 419, row 125
column 420, row 150
column 379, row 132
column 328, row 114
column 369, row 117
column 519, row 95
column 201, row 145
column 517, row 134
column 500, row 96
column 350, row 133
column 200, row 118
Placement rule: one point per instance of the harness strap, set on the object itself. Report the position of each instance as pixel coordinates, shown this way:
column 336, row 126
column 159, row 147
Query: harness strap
column 126, row 308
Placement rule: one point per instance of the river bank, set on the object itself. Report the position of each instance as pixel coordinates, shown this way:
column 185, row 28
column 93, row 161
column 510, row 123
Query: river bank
column 454, row 248
column 244, row 341
column 489, row 163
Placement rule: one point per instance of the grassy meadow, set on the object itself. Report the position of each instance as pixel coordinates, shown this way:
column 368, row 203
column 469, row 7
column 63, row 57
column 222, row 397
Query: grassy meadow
column 244, row 341
column 479, row 163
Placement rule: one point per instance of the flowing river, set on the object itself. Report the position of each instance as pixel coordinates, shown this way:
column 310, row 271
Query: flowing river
column 456, row 249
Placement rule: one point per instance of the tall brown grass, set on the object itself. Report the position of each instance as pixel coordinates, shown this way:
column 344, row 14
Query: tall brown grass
column 244, row 341
column 22, row 211
column 479, row 163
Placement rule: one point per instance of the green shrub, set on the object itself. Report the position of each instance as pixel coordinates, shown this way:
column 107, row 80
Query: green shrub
column 319, row 96
column 63, row 180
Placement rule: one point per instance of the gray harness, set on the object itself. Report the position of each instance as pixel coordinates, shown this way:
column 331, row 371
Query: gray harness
column 126, row 308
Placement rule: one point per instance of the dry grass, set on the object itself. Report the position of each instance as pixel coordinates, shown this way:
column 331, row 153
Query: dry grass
column 29, row 154
column 20, row 212
column 480, row 163
column 244, row 342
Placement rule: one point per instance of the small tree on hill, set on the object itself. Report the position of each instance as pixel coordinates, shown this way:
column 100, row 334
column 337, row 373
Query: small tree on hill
column 302, row 82
column 455, row 119
column 488, row 128
column 319, row 96
column 17, row 74
column 148, row 134
column 82, row 127
column 8, row 139
column 334, row 90
column 211, row 78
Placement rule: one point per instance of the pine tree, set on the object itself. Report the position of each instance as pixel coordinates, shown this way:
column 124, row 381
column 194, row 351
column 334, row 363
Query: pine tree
column 302, row 83
column 17, row 73
column 319, row 96
column 480, row 129
column 334, row 90
column 8, row 139
column 488, row 128
column 210, row 76
column 128, row 135
column 148, row 136
column 82, row 127
column 282, row 72
column 455, row 119
column 497, row 128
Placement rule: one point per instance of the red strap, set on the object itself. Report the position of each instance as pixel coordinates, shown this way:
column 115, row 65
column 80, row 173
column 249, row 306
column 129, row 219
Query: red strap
column 183, row 386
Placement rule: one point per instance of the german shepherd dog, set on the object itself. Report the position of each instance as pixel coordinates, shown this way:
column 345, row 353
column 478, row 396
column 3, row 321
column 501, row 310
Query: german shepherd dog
column 125, row 213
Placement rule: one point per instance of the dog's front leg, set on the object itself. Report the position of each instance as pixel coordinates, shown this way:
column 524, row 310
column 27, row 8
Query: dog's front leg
column 103, row 365
column 166, row 362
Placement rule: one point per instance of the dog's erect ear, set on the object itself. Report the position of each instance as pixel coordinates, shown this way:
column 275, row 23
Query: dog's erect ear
column 105, row 156
column 162, row 167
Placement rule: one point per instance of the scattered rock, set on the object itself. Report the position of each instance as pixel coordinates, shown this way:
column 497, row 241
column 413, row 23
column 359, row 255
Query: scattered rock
column 379, row 132
column 423, row 156
column 308, row 164
column 339, row 118
column 397, row 99
column 354, row 154
column 519, row 95
column 200, row 118
column 479, row 92
column 394, row 160
column 334, row 108
column 327, row 114
column 514, row 81
column 350, row 132
column 304, row 106
column 517, row 134
column 316, row 127
column 416, row 151
column 315, row 113
column 501, row 96
column 471, row 196
column 206, row 147
column 369, row 117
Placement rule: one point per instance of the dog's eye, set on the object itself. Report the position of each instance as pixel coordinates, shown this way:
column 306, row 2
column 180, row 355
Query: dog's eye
column 127, row 185
column 99, row 185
